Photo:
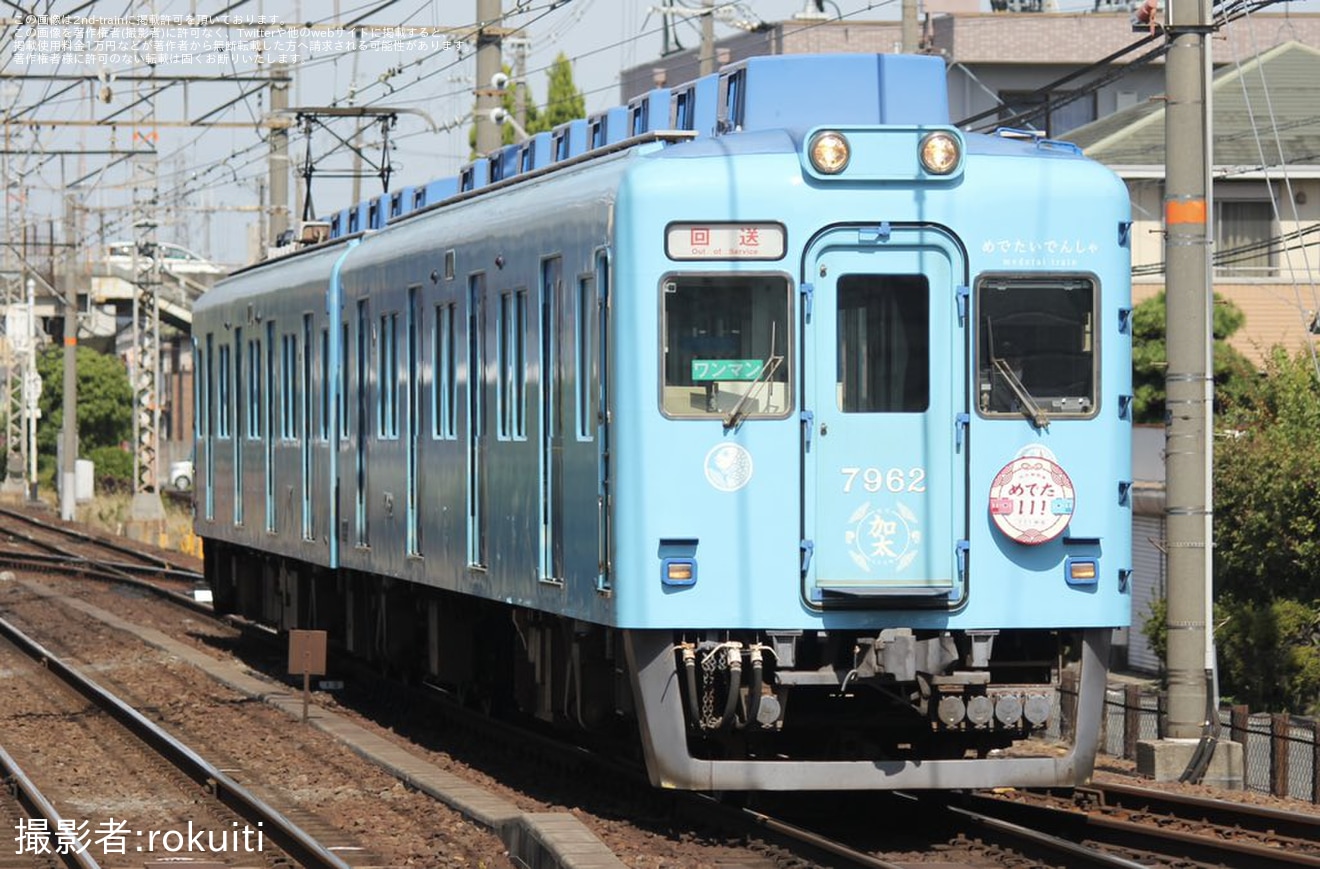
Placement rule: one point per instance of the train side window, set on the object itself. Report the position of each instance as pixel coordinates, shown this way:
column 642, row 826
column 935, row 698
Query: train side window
column 585, row 358
column 288, row 392
column 387, row 404
column 253, row 389
column 1036, row 346
column 444, row 384
column 884, row 343
column 726, row 347
column 222, row 394
column 511, row 353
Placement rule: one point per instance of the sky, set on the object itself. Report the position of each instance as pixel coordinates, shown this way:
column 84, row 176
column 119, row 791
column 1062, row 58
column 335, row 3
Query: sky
column 210, row 180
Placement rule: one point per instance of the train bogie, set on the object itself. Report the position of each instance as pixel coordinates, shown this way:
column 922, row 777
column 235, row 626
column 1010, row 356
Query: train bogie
column 800, row 446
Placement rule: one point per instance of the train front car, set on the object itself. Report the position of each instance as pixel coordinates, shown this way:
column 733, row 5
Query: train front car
column 870, row 469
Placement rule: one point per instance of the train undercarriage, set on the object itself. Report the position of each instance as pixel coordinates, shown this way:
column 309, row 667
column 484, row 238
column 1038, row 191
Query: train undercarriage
column 716, row 710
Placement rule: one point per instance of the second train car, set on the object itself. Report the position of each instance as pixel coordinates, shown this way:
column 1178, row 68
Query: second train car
column 770, row 419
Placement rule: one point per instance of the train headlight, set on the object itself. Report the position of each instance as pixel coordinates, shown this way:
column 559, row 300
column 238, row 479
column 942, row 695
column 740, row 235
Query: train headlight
column 940, row 153
column 829, row 152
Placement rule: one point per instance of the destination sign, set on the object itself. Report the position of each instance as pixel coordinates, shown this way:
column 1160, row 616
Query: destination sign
column 710, row 241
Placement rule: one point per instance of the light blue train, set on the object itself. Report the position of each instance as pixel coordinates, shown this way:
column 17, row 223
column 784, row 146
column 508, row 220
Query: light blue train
column 769, row 419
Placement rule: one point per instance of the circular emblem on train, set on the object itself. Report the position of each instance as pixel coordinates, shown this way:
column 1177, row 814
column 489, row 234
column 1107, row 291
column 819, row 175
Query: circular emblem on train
column 887, row 538
column 1031, row 499
column 728, row 467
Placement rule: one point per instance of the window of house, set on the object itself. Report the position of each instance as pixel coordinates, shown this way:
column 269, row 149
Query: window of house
column 1054, row 113
column 1244, row 238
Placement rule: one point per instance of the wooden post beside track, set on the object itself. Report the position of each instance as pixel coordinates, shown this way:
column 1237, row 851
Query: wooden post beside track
column 307, row 656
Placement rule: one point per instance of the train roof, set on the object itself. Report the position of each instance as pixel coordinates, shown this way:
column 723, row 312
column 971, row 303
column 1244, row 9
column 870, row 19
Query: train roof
column 781, row 92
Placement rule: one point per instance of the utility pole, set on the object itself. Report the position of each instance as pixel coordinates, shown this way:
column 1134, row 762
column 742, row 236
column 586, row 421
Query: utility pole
column 1188, row 384
column 31, row 390
column 69, row 442
column 911, row 28
column 1191, row 746
column 279, row 152
column 489, row 135
column 707, row 54
column 520, row 46
column 147, row 512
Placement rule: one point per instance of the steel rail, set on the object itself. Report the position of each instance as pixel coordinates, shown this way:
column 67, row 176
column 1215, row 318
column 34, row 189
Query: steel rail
column 34, row 802
column 88, row 538
column 1263, row 819
column 283, row 832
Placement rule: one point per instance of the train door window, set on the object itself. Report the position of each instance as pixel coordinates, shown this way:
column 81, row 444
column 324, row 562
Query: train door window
column 240, row 424
column 360, row 425
column 1036, row 346
column 725, row 346
column 343, row 383
column 476, row 366
column 503, row 391
column 584, row 375
column 240, row 386
column 387, row 393
column 552, row 428
column 559, row 140
column 305, row 426
column 326, row 377
column 511, row 354
column 222, row 394
column 444, row 384
column 254, row 389
column 519, row 404
column 270, row 426
column 205, row 422
column 288, row 386
column 412, row 410
column 884, row 344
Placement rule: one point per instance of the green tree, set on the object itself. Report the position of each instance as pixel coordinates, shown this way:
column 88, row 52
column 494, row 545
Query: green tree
column 1267, row 538
column 1150, row 357
column 105, row 401
column 1267, row 487
column 564, row 102
column 1269, row 654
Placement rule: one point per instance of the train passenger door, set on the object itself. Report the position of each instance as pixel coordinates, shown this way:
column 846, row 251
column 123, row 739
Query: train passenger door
column 884, row 385
column 554, row 354
column 476, row 435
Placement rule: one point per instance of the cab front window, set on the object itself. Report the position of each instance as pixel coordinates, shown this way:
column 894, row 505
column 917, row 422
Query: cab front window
column 1036, row 347
column 725, row 347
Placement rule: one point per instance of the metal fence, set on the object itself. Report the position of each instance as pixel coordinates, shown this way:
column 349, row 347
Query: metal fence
column 1280, row 753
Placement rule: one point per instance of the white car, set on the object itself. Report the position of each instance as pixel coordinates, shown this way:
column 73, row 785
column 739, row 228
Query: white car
column 181, row 475
column 173, row 258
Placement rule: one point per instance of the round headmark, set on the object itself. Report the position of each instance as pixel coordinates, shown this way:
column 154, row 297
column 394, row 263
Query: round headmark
column 728, row 467
column 1031, row 500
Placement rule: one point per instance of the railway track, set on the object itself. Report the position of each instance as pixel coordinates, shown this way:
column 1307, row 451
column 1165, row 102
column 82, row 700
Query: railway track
column 168, row 779
column 1144, row 825
column 21, row 804
column 976, row 831
column 41, row 544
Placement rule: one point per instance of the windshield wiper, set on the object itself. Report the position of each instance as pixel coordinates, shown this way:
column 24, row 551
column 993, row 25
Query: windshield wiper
column 767, row 371
column 1026, row 403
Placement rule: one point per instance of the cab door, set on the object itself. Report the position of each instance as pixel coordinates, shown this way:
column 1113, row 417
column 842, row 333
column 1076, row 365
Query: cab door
column 884, row 450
